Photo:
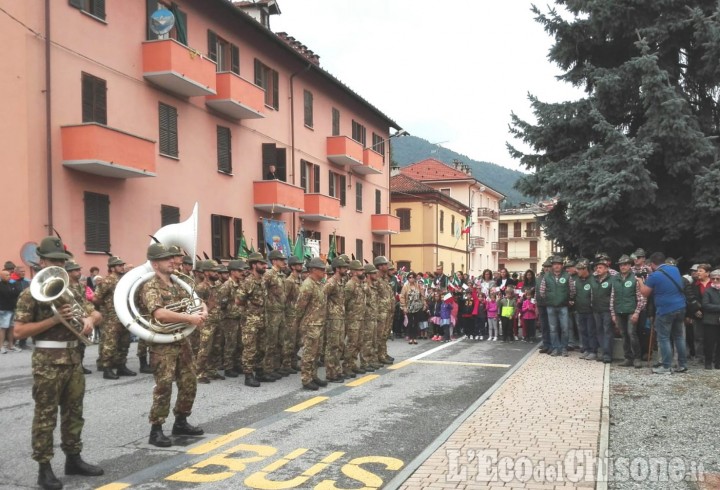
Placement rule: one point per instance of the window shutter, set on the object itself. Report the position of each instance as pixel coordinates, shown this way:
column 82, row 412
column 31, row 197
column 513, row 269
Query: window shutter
column 343, row 190
column 216, row 231
column 172, row 131
column 268, row 154
column 335, row 122
column 180, row 24
column 212, row 46
column 78, row 4
column 87, row 98
column 331, row 183
column 163, row 123
column 259, row 73
column 152, row 6
column 358, row 196
column 359, row 250
column 99, row 9
column 316, row 179
column 378, row 202
column 281, row 163
column 100, row 113
column 224, row 151
column 308, row 108
column 234, row 59
column 303, row 175
column 261, row 237
column 169, row 215
column 276, row 90
column 237, row 234
column 97, row 222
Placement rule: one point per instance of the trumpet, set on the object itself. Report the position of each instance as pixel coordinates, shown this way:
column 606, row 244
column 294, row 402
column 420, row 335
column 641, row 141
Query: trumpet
column 50, row 285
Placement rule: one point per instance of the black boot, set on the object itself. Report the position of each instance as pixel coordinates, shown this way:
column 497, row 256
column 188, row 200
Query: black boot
column 124, row 371
column 74, row 465
column 47, row 479
column 86, row 370
column 251, row 381
column 108, row 373
column 261, row 376
column 182, row 428
column 231, row 373
column 157, row 438
column 145, row 367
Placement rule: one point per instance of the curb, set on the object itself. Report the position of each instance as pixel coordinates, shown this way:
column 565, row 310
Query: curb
column 413, row 465
column 601, row 476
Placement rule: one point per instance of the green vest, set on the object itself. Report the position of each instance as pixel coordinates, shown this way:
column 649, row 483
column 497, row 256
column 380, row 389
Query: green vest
column 601, row 294
column 583, row 295
column 557, row 291
column 625, row 299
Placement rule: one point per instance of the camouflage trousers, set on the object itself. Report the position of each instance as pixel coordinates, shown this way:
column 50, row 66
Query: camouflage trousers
column 115, row 346
column 253, row 343
column 273, row 322
column 368, row 331
column 224, row 344
column 312, row 341
column 237, row 353
column 290, row 342
column 172, row 362
column 335, row 339
column 194, row 339
column 352, row 344
column 383, row 328
column 142, row 349
column 203, row 363
column 56, row 385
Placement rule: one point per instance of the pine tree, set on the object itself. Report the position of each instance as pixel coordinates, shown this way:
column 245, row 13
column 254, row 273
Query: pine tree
column 635, row 161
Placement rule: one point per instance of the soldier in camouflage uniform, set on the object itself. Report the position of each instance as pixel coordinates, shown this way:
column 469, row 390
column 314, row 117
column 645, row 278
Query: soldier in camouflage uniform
column 386, row 299
column 368, row 354
column 208, row 292
column 354, row 319
column 116, row 338
column 311, row 309
column 335, row 324
column 237, row 354
column 274, row 284
column 251, row 298
column 78, row 289
column 172, row 361
column 230, row 324
column 291, row 344
column 58, row 380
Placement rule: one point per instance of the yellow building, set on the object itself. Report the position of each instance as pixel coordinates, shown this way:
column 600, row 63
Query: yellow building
column 431, row 227
column 523, row 244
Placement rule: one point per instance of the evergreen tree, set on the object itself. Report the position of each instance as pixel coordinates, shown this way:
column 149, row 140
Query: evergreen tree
column 635, row 161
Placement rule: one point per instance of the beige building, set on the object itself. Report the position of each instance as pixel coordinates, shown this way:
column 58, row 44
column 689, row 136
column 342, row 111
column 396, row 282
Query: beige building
column 523, row 243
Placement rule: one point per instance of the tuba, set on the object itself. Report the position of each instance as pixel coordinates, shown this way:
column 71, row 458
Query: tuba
column 50, row 285
column 183, row 235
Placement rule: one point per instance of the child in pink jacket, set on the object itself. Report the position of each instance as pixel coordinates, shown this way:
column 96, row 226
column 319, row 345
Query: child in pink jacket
column 529, row 315
column 492, row 316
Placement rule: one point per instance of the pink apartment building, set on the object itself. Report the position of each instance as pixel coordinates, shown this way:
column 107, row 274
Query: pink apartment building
column 108, row 133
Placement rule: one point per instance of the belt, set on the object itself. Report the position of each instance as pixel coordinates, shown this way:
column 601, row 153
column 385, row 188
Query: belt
column 55, row 344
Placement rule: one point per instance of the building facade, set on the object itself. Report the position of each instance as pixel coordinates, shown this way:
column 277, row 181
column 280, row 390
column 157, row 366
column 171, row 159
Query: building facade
column 116, row 131
column 522, row 240
column 481, row 242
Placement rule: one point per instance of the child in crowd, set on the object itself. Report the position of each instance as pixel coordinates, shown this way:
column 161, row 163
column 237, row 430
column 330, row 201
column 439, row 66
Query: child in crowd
column 445, row 313
column 508, row 312
column 529, row 315
column 491, row 307
column 480, row 313
column 434, row 312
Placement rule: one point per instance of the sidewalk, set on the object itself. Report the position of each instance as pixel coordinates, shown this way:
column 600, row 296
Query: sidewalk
column 546, row 417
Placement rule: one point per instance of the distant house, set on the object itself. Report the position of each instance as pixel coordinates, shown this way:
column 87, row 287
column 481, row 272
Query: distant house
column 523, row 242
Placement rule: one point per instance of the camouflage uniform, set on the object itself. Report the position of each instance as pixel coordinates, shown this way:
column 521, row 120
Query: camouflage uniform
column 274, row 284
column 311, row 308
column 230, row 323
column 386, row 300
column 116, row 338
column 355, row 314
column 291, row 342
column 171, row 362
column 58, row 381
column 367, row 335
column 204, row 363
column 335, row 326
column 251, row 296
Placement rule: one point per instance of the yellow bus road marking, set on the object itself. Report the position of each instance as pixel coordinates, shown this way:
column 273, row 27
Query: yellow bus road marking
column 456, row 363
column 113, row 486
column 213, row 444
column 307, row 404
column 362, row 380
column 400, row 364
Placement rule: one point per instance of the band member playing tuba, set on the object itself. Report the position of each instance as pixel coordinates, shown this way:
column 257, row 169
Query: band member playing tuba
column 170, row 361
column 58, row 379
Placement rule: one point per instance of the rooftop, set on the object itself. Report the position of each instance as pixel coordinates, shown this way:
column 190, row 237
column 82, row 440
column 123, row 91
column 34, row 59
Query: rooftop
column 432, row 169
column 404, row 187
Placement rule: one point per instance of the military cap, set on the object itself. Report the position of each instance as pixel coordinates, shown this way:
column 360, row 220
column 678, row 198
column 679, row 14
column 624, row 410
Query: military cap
column 547, row 263
column 9, row 266
column 316, row 263
column 114, row 260
column 235, row 265
column 370, row 269
column 671, row 261
column 255, row 257
column 639, row 253
column 345, row 258
column 157, row 251
column 222, row 268
column 380, row 260
column 175, row 250
column 187, row 260
column 52, row 248
column 556, row 259
column 304, row 269
column 276, row 255
column 294, row 260
column 570, row 263
column 582, row 264
column 328, row 269
column 338, row 262
column 72, row 266
column 210, row 266
column 624, row 259
column 392, row 267
column 601, row 256
column 356, row 265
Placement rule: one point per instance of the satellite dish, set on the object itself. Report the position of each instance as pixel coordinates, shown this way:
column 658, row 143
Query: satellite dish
column 162, row 21
column 28, row 254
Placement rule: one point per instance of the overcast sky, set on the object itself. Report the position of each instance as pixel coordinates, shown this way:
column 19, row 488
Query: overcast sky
column 446, row 71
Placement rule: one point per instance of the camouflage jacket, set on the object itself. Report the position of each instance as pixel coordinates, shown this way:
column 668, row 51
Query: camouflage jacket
column 251, row 296
column 371, row 301
column 274, row 284
column 311, row 305
column 78, row 291
column 355, row 300
column 155, row 294
column 292, row 289
column 208, row 292
column 335, row 294
column 104, row 294
column 226, row 298
column 386, row 295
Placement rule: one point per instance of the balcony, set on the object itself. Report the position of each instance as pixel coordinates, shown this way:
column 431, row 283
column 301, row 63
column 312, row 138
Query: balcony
column 531, row 233
column 276, row 196
column 495, row 247
column 487, row 214
column 503, row 235
column 177, row 68
column 477, row 242
column 372, row 163
column 523, row 257
column 108, row 152
column 384, row 224
column 237, row 98
column 319, row 207
column 344, row 151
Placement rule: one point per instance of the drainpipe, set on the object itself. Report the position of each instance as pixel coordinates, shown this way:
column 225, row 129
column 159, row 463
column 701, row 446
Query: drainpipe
column 292, row 133
column 48, row 121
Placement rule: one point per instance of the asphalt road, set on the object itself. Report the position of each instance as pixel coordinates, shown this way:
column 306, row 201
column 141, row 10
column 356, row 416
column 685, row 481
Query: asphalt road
column 353, row 435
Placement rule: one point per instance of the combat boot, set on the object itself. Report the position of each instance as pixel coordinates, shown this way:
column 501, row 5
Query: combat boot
column 231, row 373
column 319, row 382
column 310, row 386
column 74, row 465
column 251, row 381
column 108, row 373
column 285, row 371
column 157, row 438
column 145, row 367
column 275, row 374
column 182, row 428
column 358, row 370
column 367, row 369
column 349, row 374
column 86, row 370
column 47, row 479
column 124, row 371
column 261, row 376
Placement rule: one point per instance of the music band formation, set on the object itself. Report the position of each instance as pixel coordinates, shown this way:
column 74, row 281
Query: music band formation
column 254, row 321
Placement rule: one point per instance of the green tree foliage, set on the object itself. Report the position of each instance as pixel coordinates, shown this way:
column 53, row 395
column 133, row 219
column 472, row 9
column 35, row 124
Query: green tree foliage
column 635, row 161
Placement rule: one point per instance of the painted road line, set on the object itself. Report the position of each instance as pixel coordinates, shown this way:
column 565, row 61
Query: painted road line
column 400, row 364
column 458, row 363
column 363, row 380
column 219, row 441
column 113, row 486
column 422, row 355
column 307, row 404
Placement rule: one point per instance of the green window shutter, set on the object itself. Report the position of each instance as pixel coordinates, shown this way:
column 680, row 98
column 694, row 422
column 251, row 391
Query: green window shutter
column 78, row 4
column 343, row 188
column 234, row 59
column 169, row 215
column 88, row 88
column 97, row 222
column 276, row 90
column 331, row 183
column 216, row 231
column 316, row 179
column 303, row 175
column 98, row 7
column 237, row 234
column 212, row 46
column 150, row 7
column 224, row 149
column 358, row 196
column 180, row 24
column 281, row 163
column 378, row 202
column 259, row 73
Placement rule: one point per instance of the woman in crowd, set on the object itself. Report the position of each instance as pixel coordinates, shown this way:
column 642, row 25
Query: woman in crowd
column 412, row 302
column 487, row 283
column 434, row 313
column 711, row 321
column 504, row 281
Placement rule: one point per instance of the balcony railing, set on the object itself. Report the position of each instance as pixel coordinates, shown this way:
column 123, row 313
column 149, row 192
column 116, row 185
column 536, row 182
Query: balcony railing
column 177, row 68
column 384, row 224
column 495, row 247
column 487, row 214
column 372, row 163
column 276, row 196
column 319, row 207
column 237, row 98
column 477, row 241
column 344, row 151
column 532, row 233
column 502, row 234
